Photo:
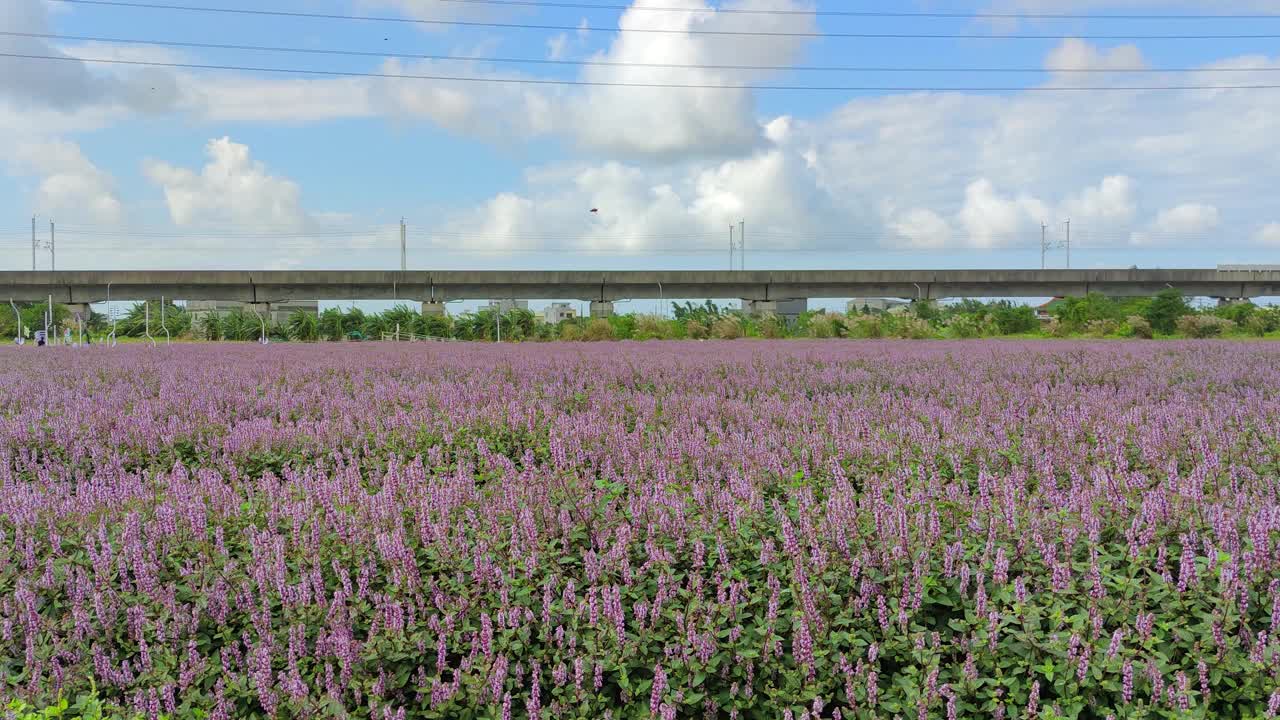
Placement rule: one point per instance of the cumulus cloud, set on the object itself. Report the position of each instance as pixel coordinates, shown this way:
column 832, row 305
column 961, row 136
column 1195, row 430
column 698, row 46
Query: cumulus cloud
column 1269, row 235
column 917, row 228
column 684, row 208
column 500, row 112
column 231, row 187
column 71, row 186
column 1187, row 218
column 664, row 121
column 68, row 85
column 991, row 219
column 1110, row 203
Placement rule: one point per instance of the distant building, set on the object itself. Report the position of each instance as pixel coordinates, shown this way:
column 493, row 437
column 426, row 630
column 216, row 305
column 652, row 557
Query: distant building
column 1044, row 311
column 556, row 313
column 893, row 305
column 506, row 306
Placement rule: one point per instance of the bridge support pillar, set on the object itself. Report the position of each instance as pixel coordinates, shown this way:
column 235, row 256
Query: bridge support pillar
column 432, row 308
column 80, row 310
column 601, row 309
column 787, row 310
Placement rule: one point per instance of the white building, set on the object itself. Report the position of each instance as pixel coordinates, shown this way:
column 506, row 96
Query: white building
column 558, row 312
column 506, row 306
column 857, row 305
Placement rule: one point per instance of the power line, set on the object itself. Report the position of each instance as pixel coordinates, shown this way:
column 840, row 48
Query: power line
column 608, row 63
column 665, row 31
column 601, row 83
column 560, row 4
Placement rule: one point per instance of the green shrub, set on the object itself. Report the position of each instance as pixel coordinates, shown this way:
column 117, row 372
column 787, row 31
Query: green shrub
column 867, row 326
column 1101, row 328
column 1013, row 319
column 1139, row 327
column 912, row 328
column 1204, row 326
column 598, row 330
column 729, row 328
column 1165, row 310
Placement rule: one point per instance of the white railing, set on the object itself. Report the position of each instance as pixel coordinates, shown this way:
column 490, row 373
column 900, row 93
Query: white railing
column 411, row 337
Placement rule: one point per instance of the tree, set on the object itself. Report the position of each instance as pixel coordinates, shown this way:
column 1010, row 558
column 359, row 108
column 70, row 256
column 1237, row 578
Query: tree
column 1013, row 319
column 303, row 326
column 517, row 324
column 402, row 316
column 33, row 315
column 240, row 324
column 211, row 327
column 1236, row 312
column 332, row 324
column 1165, row 309
column 136, row 323
column 1077, row 312
column 436, row 326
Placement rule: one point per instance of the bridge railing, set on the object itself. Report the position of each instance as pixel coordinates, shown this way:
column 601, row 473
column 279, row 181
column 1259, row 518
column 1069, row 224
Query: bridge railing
column 413, row 337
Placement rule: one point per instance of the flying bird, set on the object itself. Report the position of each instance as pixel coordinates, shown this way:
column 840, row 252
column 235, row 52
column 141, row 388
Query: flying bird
column 595, row 210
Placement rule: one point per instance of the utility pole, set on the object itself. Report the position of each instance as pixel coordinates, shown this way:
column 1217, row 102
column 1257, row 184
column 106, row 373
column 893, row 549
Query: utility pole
column 1044, row 245
column 742, row 243
column 1068, row 243
column 53, row 264
column 33, row 242
column 403, row 257
column 730, row 247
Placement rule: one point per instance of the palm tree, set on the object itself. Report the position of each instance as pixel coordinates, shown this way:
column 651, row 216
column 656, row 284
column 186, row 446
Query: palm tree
column 303, row 326
column 331, row 324
column 241, row 325
column 402, row 316
column 211, row 327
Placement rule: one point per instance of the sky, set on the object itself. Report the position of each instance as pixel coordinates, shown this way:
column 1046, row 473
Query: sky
column 920, row 158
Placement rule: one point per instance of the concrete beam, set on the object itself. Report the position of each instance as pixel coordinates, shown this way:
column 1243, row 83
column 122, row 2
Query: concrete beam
column 769, row 286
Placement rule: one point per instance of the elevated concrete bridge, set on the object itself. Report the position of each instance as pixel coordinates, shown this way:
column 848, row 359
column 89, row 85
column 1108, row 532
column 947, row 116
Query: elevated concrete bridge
column 602, row 288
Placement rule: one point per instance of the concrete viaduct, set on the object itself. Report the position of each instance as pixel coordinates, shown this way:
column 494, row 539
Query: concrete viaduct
column 761, row 289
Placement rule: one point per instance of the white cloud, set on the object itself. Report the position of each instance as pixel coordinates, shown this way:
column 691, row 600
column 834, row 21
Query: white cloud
column 1110, row 203
column 644, row 208
column 1187, row 218
column 71, row 187
column 1075, row 54
column 231, row 187
column 499, row 112
column 992, row 219
column 68, row 85
column 917, row 228
column 556, row 46
column 1269, row 235
column 669, row 122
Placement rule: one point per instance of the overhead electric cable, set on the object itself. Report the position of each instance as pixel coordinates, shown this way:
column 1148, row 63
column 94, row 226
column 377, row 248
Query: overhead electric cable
column 594, row 83
column 562, row 4
column 667, row 31
column 608, row 63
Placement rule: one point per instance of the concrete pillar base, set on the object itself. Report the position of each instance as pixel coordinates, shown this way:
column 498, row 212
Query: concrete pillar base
column 433, row 308
column 78, row 310
column 787, row 310
column 760, row 307
column 601, row 309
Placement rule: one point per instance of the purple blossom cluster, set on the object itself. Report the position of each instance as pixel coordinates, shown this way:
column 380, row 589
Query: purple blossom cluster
column 677, row 530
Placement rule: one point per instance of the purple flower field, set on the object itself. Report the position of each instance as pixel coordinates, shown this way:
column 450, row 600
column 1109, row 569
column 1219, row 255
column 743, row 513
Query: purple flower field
column 661, row 530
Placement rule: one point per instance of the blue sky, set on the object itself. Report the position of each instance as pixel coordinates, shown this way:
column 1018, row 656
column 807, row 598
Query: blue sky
column 162, row 167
